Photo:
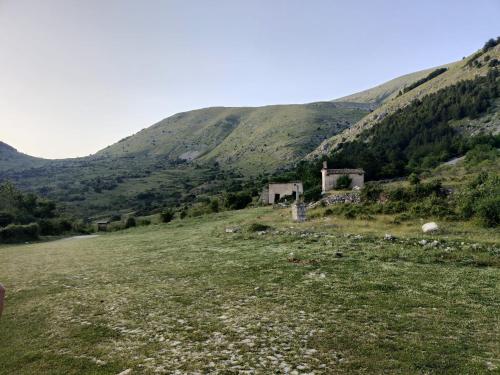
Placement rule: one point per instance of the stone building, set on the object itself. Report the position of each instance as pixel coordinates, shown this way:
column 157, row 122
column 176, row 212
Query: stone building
column 272, row 193
column 329, row 177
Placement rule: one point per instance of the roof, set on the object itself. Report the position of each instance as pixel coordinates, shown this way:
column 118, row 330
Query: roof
column 344, row 171
column 286, row 183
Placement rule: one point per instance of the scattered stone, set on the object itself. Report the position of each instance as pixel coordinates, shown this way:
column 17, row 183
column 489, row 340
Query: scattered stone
column 423, row 242
column 434, row 243
column 430, row 227
column 389, row 237
column 490, row 366
column 126, row 372
column 232, row 230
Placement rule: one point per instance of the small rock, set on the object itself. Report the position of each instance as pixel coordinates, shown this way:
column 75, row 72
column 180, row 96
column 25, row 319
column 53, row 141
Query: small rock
column 434, row 243
column 232, row 230
column 389, row 237
column 423, row 242
column 126, row 372
column 430, row 227
column 490, row 366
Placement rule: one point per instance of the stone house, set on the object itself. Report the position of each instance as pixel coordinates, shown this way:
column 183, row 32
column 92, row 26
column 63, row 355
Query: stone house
column 272, row 193
column 329, row 177
column 102, row 225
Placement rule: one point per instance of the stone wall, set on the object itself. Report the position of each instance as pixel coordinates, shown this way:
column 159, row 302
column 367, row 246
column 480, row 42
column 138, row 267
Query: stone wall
column 330, row 181
column 279, row 190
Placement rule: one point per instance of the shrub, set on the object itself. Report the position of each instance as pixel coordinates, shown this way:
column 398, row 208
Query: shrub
column 480, row 198
column 19, row 233
column 413, row 179
column 144, row 222
column 167, row 216
column 488, row 211
column 258, row 227
column 371, row 192
column 130, row 222
column 237, row 201
column 214, row 205
column 343, row 182
column 6, row 219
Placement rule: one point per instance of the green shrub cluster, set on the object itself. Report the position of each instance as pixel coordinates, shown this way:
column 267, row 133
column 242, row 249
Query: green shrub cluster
column 481, row 200
column 18, row 233
column 419, row 136
column 430, row 76
column 25, row 216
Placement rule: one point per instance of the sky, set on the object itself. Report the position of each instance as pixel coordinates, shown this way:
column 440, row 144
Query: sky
column 76, row 76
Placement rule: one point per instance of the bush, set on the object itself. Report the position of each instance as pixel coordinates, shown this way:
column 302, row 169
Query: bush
column 130, row 222
column 19, row 233
column 488, row 211
column 167, row 216
column 413, row 179
column 6, row 219
column 144, row 222
column 371, row 192
column 343, row 182
column 481, row 198
column 258, row 227
column 237, row 201
column 214, row 205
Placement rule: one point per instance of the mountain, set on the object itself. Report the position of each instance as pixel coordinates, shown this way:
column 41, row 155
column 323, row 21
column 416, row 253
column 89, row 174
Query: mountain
column 183, row 157
column 378, row 95
column 193, row 155
column 250, row 140
column 478, row 64
column 10, row 158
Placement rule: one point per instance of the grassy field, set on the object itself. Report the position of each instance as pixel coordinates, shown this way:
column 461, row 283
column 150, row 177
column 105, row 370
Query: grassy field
column 326, row 296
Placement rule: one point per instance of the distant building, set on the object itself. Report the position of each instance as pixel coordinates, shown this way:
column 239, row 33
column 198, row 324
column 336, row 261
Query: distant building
column 102, row 225
column 329, row 177
column 272, row 193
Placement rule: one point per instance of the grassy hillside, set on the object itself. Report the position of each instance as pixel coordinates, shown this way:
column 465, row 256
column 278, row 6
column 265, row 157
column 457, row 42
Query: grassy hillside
column 466, row 69
column 182, row 158
column 386, row 91
column 327, row 295
column 11, row 159
column 250, row 140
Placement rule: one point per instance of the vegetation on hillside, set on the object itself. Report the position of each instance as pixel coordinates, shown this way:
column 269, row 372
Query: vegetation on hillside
column 420, row 136
column 421, row 81
column 25, row 216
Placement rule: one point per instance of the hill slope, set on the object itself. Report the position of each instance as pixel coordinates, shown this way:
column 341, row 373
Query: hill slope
column 248, row 139
column 10, row 158
column 466, row 69
column 378, row 95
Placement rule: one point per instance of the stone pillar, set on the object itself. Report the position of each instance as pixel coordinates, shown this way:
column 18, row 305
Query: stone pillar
column 299, row 212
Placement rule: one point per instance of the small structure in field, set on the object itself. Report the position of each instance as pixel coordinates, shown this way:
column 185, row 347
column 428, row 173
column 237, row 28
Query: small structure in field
column 298, row 208
column 273, row 192
column 330, row 177
column 299, row 212
column 102, row 225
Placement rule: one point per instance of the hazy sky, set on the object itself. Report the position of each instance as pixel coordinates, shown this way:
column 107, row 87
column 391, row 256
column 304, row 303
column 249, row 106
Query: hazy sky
column 77, row 75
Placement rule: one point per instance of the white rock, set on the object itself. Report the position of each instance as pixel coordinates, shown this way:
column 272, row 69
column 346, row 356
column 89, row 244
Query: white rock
column 430, row 227
column 126, row 372
column 389, row 237
column 423, row 242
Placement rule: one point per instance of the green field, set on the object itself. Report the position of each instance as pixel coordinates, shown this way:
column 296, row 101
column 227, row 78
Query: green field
column 326, row 296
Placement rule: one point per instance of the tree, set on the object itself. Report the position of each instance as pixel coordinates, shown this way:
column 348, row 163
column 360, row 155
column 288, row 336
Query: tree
column 343, row 182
